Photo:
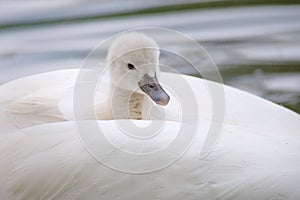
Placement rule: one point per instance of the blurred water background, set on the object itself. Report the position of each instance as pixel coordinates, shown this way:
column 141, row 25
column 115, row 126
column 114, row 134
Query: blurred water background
column 255, row 44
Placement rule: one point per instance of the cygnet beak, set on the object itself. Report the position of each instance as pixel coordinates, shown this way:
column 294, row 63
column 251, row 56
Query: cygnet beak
column 153, row 89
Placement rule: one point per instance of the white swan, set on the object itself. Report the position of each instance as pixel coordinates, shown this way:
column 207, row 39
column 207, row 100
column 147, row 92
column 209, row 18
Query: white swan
column 257, row 157
column 130, row 83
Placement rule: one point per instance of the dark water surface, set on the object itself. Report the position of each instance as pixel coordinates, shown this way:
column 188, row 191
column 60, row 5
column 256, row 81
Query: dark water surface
column 256, row 45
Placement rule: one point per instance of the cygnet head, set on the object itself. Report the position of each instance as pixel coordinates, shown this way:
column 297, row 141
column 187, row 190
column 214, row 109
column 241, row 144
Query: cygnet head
column 133, row 59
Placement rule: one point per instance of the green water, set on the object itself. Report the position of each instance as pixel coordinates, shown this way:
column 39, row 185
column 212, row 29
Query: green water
column 254, row 43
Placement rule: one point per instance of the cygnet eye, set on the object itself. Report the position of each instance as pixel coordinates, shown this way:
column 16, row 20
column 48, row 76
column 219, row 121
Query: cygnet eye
column 131, row 66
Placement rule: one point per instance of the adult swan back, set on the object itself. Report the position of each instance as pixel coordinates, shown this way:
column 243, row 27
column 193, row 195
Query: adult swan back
column 42, row 157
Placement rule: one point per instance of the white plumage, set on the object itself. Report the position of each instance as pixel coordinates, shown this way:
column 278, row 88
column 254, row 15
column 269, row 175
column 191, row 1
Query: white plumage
column 42, row 157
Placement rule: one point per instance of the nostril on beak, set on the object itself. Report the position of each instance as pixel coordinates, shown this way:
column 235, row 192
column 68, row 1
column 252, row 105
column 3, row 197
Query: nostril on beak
column 151, row 85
